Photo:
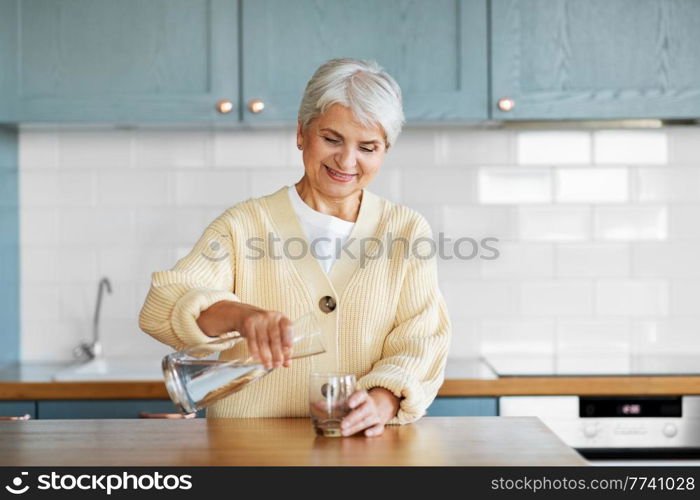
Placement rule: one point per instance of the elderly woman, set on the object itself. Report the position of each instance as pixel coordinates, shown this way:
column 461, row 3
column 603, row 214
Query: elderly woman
column 369, row 272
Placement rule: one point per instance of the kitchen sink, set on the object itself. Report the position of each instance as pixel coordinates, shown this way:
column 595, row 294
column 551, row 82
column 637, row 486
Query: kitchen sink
column 113, row 369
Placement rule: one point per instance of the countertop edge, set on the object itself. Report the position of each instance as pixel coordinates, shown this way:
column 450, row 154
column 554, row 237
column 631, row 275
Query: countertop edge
column 452, row 387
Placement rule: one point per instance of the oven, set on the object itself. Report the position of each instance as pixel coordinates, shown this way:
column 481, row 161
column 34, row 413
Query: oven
column 611, row 429
column 617, row 427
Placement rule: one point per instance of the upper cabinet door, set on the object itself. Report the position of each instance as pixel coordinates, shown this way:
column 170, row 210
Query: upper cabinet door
column 435, row 50
column 572, row 59
column 125, row 60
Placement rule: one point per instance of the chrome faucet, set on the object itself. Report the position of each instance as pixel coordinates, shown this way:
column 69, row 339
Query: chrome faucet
column 94, row 350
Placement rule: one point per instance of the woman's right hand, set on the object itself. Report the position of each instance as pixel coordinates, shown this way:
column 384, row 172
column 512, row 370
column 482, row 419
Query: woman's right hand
column 268, row 334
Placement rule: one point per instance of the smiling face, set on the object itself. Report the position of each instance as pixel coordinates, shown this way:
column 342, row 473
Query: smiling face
column 340, row 155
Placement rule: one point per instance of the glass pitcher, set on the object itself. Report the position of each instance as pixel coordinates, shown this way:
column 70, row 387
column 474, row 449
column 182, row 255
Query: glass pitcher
column 200, row 375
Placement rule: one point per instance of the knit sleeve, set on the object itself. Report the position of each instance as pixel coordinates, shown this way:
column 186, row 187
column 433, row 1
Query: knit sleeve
column 201, row 278
column 413, row 359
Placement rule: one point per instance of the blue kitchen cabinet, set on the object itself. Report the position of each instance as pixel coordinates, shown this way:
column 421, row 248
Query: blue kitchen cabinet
column 118, row 61
column 463, row 407
column 9, row 244
column 437, row 51
column 103, row 409
column 568, row 59
column 17, row 408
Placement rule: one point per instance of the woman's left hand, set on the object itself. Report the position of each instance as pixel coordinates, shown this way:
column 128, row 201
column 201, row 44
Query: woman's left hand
column 370, row 412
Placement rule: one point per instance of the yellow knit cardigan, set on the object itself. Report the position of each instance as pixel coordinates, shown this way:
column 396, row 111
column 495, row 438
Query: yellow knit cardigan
column 390, row 326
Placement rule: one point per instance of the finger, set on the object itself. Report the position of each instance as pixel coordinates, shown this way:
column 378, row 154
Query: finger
column 357, row 398
column 274, row 334
column 263, row 346
column 375, row 430
column 354, row 417
column 252, row 342
column 352, row 423
column 369, row 421
column 287, row 338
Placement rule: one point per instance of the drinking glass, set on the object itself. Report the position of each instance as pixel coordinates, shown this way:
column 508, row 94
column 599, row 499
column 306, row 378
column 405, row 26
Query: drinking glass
column 328, row 401
column 202, row 374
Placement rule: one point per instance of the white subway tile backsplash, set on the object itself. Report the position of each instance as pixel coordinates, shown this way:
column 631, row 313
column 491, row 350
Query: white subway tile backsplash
column 264, row 182
column 78, row 301
column 593, row 335
column 474, row 147
column 458, row 270
column 631, row 223
column 414, row 148
column 94, row 227
column 52, row 339
column 597, row 231
column 631, row 298
column 38, row 149
column 554, row 147
column 38, row 226
column 630, row 147
column 77, row 264
column 137, row 188
column 668, row 184
column 106, row 148
column 386, row 184
column 172, row 149
column 39, row 265
column 591, row 185
column 58, row 265
column 666, row 260
column 520, row 260
column 556, row 298
column 683, row 222
column 593, row 260
column 40, row 302
column 432, row 213
column 683, row 145
column 122, row 263
column 476, row 221
column 677, row 335
column 481, row 298
column 123, row 338
column 685, row 297
column 448, row 185
column 292, row 155
column 509, row 185
column 211, row 189
column 465, row 338
column 554, row 223
column 520, row 335
column 250, row 148
column 44, row 188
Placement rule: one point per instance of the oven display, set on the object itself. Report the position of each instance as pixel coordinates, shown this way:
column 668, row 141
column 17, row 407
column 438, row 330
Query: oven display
column 630, row 406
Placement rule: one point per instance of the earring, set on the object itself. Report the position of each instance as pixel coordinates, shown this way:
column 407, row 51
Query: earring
column 299, row 147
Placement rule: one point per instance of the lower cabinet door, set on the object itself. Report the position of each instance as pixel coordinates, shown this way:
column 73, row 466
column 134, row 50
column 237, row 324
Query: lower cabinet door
column 463, row 407
column 10, row 409
column 104, row 409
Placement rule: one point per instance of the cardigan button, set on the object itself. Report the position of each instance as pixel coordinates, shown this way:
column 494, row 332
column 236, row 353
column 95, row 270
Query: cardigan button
column 327, row 304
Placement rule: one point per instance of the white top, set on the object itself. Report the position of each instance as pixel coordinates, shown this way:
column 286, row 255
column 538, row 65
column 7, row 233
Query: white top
column 326, row 234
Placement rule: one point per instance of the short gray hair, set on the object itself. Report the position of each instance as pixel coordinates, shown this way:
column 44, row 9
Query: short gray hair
column 371, row 93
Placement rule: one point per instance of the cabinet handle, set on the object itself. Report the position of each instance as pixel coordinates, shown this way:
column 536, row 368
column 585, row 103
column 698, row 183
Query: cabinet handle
column 506, row 104
column 26, row 416
column 145, row 414
column 224, row 107
column 256, row 106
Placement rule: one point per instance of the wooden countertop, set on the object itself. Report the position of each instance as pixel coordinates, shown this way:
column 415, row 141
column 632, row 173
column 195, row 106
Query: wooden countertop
column 280, row 441
column 463, row 377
